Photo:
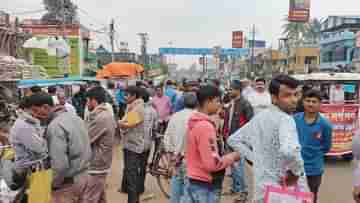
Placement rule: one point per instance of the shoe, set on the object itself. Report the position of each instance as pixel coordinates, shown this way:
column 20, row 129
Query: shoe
column 243, row 197
column 147, row 197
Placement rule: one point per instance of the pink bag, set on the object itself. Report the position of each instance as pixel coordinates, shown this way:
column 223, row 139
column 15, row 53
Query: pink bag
column 278, row 194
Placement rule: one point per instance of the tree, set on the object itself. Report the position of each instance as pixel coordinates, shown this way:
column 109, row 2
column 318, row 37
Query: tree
column 56, row 9
column 298, row 32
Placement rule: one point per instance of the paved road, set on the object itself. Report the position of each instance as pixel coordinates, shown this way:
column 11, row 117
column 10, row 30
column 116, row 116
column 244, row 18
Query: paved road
column 336, row 187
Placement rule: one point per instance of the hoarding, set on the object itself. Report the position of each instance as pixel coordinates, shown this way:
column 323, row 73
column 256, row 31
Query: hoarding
column 237, row 39
column 345, row 123
column 203, row 51
column 299, row 11
column 257, row 43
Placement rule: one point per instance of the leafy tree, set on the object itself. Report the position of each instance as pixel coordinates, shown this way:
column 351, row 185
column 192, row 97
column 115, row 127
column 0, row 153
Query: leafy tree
column 56, row 9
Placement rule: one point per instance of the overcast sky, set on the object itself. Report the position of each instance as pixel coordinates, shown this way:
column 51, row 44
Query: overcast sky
column 189, row 23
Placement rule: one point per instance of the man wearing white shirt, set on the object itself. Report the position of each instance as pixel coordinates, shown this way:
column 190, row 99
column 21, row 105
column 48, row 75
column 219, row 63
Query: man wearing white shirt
column 260, row 99
column 62, row 101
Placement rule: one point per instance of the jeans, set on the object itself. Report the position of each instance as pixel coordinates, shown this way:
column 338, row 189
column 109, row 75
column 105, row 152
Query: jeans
column 238, row 177
column 178, row 185
column 200, row 192
column 134, row 174
column 218, row 183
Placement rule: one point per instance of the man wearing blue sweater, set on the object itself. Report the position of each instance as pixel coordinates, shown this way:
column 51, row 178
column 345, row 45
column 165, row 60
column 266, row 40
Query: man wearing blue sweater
column 315, row 133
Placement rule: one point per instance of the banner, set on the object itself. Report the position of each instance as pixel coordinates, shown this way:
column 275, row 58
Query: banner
column 345, row 123
column 299, row 11
column 237, row 39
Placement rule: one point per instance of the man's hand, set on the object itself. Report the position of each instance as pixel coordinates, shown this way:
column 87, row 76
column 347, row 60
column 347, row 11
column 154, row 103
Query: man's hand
column 356, row 194
column 123, row 125
column 290, row 179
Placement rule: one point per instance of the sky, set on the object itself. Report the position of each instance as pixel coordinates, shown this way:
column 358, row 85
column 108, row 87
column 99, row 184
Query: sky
column 187, row 23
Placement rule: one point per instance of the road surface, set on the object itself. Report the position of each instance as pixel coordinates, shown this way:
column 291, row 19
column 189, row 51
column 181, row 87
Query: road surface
column 336, row 187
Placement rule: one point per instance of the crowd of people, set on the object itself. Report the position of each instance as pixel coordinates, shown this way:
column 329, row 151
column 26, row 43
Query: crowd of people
column 209, row 132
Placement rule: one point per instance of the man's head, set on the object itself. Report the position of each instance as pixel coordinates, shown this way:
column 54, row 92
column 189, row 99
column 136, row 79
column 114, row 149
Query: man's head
column 190, row 101
column 40, row 105
column 312, row 101
column 111, row 85
column 52, row 90
column 62, row 98
column 95, row 96
column 235, row 88
column 34, row 90
column 159, row 91
column 260, row 85
column 145, row 95
column 132, row 93
column 283, row 90
column 209, row 99
column 191, row 86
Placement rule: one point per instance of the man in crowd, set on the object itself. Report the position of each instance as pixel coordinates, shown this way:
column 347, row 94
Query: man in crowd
column 162, row 105
column 260, row 99
column 52, row 90
column 175, row 139
column 27, row 135
column 79, row 101
column 247, row 89
column 62, row 101
column 101, row 125
column 203, row 157
column 236, row 116
column 170, row 91
column 136, row 146
column 120, row 98
column 189, row 86
column 270, row 140
column 315, row 134
column 70, row 153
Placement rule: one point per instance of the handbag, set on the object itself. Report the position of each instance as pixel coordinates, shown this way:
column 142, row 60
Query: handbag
column 39, row 190
column 278, row 194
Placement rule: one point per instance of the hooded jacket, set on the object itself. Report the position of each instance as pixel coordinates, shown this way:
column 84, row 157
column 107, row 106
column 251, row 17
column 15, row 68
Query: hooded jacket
column 69, row 146
column 27, row 139
column 101, row 126
column 202, row 153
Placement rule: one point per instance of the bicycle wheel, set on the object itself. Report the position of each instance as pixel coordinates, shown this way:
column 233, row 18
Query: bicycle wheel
column 163, row 176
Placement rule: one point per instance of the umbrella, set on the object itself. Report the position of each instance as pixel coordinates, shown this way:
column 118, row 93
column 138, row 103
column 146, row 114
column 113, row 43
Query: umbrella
column 120, row 70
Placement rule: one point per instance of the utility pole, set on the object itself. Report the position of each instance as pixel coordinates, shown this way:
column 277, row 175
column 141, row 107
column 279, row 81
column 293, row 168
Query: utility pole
column 252, row 48
column 143, row 48
column 112, row 33
column 66, row 58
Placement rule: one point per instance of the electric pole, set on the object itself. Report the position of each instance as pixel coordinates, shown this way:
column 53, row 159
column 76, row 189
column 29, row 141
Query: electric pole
column 252, row 48
column 112, row 33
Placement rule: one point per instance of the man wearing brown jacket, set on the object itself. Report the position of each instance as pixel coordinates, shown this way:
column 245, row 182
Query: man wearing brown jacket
column 101, row 126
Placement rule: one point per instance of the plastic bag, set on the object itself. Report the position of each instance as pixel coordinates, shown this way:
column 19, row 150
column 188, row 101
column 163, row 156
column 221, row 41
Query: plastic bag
column 40, row 186
column 278, row 194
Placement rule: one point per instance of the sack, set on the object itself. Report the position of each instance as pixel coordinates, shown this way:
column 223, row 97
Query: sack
column 277, row 194
column 133, row 118
column 40, row 186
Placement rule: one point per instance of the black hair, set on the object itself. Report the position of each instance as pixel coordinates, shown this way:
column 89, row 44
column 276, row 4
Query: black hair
column 145, row 95
column 207, row 93
column 138, row 84
column 111, row 85
column 150, row 82
column 274, row 87
column 35, row 89
column 190, row 101
column 98, row 93
column 52, row 90
column 260, row 80
column 39, row 99
column 169, row 82
column 24, row 103
column 312, row 93
column 216, row 82
column 133, row 90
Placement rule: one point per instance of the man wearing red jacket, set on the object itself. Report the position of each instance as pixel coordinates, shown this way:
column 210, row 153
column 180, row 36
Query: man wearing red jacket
column 203, row 157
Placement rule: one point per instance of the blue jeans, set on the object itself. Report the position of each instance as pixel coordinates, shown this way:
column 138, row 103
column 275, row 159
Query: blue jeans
column 238, row 177
column 200, row 192
column 218, row 183
column 178, row 185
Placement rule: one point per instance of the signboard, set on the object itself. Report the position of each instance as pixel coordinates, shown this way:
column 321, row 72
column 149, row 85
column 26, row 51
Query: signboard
column 345, row 123
column 299, row 11
column 237, row 39
column 203, row 51
column 257, row 43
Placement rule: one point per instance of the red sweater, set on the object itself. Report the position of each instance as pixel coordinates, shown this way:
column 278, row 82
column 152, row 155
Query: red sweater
column 202, row 155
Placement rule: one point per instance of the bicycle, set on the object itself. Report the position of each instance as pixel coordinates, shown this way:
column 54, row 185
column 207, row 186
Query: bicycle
column 159, row 166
